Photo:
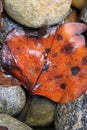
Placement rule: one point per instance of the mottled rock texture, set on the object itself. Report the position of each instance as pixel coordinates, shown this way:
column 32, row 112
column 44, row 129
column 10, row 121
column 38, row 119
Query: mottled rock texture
column 83, row 15
column 41, row 112
column 12, row 123
column 37, row 13
column 12, row 100
column 72, row 116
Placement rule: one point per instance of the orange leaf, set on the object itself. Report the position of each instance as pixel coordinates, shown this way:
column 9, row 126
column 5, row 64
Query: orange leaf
column 24, row 56
column 54, row 66
column 65, row 78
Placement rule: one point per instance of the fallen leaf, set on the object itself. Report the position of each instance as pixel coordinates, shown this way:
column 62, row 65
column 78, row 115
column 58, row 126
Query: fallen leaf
column 54, row 66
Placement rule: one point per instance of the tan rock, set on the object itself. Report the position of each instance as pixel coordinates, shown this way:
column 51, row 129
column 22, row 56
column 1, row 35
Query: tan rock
column 10, row 123
column 36, row 13
column 79, row 4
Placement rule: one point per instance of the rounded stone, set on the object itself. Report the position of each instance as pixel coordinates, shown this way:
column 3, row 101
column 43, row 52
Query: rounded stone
column 37, row 13
column 11, row 123
column 72, row 116
column 41, row 112
column 83, row 14
column 79, row 4
column 2, row 107
column 13, row 99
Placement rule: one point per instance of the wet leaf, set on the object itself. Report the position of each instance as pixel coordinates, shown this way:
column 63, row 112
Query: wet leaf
column 54, row 66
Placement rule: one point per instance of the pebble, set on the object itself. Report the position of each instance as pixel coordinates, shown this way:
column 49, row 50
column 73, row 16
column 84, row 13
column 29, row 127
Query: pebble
column 37, row 13
column 83, row 15
column 10, row 123
column 2, row 107
column 8, row 25
column 72, row 116
column 79, row 4
column 12, row 100
column 41, row 112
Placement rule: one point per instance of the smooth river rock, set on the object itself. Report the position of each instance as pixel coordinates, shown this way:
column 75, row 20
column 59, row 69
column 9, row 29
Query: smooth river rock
column 72, row 116
column 10, row 123
column 37, row 13
column 83, row 15
column 41, row 112
column 12, row 100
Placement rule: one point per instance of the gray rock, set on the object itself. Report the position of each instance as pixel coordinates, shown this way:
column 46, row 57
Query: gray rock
column 22, row 115
column 41, row 112
column 12, row 99
column 12, row 123
column 36, row 13
column 2, row 107
column 83, row 15
column 72, row 116
column 8, row 25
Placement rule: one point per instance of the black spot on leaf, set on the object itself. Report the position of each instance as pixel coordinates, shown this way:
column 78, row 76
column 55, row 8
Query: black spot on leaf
column 75, row 70
column 47, row 50
column 63, row 86
column 67, row 49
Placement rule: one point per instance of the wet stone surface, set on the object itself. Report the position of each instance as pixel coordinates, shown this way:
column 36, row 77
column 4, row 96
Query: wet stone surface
column 37, row 13
column 83, row 15
column 72, row 116
column 12, row 100
column 41, row 112
column 7, row 25
column 10, row 123
column 2, row 107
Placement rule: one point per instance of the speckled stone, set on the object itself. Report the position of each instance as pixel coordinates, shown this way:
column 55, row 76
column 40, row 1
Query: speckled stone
column 41, row 112
column 12, row 123
column 8, row 25
column 36, row 13
column 72, row 116
column 2, row 107
column 83, row 15
column 12, row 99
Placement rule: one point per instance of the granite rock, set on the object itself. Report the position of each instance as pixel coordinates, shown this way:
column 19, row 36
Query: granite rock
column 41, row 112
column 12, row 100
column 83, row 15
column 8, row 25
column 11, row 123
column 37, row 13
column 72, row 116
column 2, row 107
